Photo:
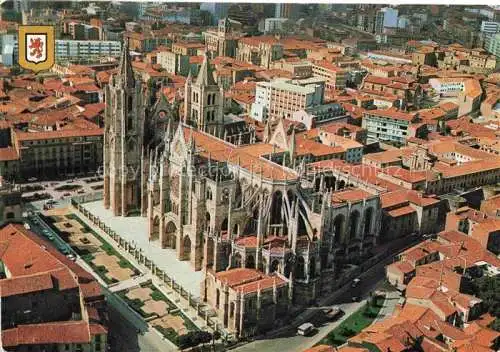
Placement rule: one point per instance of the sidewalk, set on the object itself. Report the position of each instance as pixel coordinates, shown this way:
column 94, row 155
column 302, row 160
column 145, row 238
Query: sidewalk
column 132, row 282
column 390, row 302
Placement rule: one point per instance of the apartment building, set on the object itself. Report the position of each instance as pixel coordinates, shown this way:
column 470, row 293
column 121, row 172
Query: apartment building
column 493, row 46
column 334, row 75
column 174, row 63
column 187, row 48
column 319, row 114
column 56, row 153
column 82, row 31
column 467, row 90
column 86, row 49
column 282, row 97
column 147, row 41
column 388, row 125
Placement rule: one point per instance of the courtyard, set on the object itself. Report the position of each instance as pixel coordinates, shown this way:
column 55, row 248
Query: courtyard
column 93, row 249
column 134, row 229
column 161, row 313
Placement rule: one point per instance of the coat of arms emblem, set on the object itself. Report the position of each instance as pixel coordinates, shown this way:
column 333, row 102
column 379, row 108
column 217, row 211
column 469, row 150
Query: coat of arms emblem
column 36, row 47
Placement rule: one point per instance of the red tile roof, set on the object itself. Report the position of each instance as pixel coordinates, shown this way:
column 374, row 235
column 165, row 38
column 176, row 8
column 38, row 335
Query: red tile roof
column 391, row 113
column 47, row 333
column 226, row 152
column 8, row 154
column 403, row 211
column 248, row 280
column 29, row 136
column 351, row 195
column 247, row 241
column 25, row 284
column 40, row 256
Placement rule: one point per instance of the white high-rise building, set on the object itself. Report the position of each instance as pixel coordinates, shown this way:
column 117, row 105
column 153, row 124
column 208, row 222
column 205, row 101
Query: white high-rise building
column 282, row 97
column 488, row 27
column 390, row 17
column 493, row 46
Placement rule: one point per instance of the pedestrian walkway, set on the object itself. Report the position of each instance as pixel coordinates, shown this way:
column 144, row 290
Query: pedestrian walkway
column 390, row 302
column 134, row 229
column 132, row 282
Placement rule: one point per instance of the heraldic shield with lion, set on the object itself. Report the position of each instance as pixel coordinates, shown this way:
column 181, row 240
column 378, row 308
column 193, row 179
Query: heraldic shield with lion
column 36, row 47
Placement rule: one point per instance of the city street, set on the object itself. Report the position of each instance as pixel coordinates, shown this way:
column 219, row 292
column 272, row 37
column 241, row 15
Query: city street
column 123, row 335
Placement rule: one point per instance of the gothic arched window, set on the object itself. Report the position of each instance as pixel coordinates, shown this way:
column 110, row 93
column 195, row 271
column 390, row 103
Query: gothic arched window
column 129, row 104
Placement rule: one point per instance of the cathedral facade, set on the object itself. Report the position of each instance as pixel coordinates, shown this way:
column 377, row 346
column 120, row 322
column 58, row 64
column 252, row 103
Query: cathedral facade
column 267, row 234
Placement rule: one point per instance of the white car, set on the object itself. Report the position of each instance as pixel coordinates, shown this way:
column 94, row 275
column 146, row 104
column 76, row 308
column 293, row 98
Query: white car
column 305, row 329
column 355, row 282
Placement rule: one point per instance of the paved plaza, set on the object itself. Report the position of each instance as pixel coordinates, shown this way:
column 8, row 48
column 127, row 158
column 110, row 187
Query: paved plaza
column 171, row 321
column 111, row 263
column 136, row 229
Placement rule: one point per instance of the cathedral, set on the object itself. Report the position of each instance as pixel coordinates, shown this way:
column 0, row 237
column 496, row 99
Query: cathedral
column 270, row 233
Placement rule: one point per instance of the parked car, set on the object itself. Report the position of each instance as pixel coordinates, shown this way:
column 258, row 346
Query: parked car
column 356, row 299
column 333, row 313
column 305, row 329
column 355, row 282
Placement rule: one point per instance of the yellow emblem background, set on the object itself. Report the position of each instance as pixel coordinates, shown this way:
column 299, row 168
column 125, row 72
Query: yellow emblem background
column 41, row 66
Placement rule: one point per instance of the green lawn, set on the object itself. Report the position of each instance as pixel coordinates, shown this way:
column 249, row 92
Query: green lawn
column 135, row 304
column 106, row 247
column 169, row 333
column 157, row 295
column 356, row 322
column 173, row 335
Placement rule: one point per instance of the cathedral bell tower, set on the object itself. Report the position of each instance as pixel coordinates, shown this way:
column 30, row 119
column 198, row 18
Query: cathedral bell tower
column 123, row 139
column 203, row 100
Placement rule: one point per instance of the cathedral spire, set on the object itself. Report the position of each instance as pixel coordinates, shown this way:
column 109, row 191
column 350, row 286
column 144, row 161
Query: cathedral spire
column 292, row 146
column 267, row 132
column 205, row 76
column 125, row 69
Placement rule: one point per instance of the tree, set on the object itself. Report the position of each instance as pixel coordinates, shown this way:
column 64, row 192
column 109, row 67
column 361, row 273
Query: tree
column 158, row 25
column 488, row 289
column 15, row 70
column 288, row 27
column 194, row 338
